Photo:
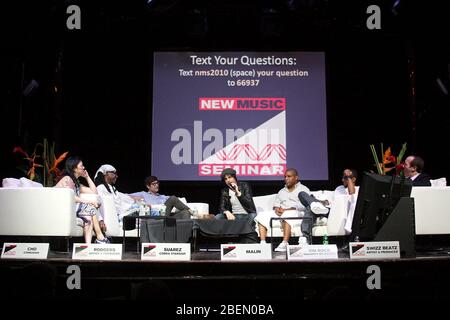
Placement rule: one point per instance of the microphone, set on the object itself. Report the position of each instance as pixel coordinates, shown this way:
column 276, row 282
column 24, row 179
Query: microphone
column 233, row 186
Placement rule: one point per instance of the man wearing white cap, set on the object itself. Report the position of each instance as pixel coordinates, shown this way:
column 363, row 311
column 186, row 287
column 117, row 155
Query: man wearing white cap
column 105, row 179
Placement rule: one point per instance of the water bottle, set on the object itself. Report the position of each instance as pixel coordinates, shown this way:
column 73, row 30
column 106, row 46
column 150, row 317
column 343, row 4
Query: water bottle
column 154, row 212
column 162, row 211
column 146, row 209
column 141, row 208
column 195, row 213
column 325, row 239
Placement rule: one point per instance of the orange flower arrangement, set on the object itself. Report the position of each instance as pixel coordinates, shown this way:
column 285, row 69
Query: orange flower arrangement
column 45, row 160
column 388, row 162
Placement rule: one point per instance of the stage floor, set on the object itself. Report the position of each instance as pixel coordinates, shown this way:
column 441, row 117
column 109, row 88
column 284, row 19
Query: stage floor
column 207, row 279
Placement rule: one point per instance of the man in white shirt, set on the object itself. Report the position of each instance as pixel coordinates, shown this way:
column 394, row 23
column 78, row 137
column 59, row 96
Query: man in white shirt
column 320, row 208
column 105, row 179
column 287, row 205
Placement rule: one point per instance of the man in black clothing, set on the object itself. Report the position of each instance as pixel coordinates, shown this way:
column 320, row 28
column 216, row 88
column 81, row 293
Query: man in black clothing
column 413, row 170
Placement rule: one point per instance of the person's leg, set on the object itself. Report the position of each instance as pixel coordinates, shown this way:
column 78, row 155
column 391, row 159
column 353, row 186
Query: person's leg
column 306, row 199
column 183, row 214
column 286, row 231
column 174, row 202
column 314, row 204
column 307, row 224
column 87, row 229
column 262, row 232
column 96, row 226
column 220, row 216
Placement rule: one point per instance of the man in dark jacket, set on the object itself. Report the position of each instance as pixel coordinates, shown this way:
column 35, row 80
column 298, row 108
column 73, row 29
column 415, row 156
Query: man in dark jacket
column 413, row 170
column 236, row 199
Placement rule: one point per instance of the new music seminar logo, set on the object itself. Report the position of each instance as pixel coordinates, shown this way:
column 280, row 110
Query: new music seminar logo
column 259, row 152
column 245, row 104
column 252, row 153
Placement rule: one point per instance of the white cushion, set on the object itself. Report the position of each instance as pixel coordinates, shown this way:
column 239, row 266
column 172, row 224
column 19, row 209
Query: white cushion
column 441, row 182
column 27, row 183
column 11, row 183
column 264, row 203
column 202, row 208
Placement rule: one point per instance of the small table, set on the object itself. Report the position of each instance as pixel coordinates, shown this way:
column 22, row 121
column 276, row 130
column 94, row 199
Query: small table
column 129, row 223
column 179, row 230
column 222, row 228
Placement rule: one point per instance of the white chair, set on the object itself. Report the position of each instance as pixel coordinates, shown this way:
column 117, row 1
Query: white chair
column 38, row 212
column 265, row 204
column 336, row 218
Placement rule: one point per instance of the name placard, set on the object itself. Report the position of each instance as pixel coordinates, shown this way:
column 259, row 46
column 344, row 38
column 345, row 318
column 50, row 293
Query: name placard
column 94, row 251
column 312, row 252
column 245, row 252
column 25, row 251
column 166, row 251
column 374, row 250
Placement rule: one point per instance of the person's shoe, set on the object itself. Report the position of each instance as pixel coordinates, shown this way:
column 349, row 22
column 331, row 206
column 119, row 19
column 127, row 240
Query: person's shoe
column 103, row 241
column 318, row 208
column 282, row 247
column 303, row 241
column 322, row 221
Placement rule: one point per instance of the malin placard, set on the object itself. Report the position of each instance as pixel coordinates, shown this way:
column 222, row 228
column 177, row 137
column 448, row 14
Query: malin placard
column 166, row 251
column 94, row 251
column 25, row 251
column 374, row 250
column 245, row 252
column 312, row 252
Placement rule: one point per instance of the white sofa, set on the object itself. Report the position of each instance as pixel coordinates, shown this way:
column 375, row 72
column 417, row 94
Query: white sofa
column 38, row 212
column 336, row 218
column 432, row 210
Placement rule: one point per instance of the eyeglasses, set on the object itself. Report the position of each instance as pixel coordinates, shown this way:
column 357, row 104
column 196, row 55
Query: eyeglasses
column 154, row 183
column 347, row 177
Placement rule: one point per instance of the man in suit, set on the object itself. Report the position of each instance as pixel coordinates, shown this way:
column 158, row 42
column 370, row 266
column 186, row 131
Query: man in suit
column 413, row 170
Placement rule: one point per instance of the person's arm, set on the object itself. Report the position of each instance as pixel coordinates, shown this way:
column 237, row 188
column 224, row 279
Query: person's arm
column 245, row 197
column 92, row 188
column 224, row 201
column 351, row 186
column 277, row 207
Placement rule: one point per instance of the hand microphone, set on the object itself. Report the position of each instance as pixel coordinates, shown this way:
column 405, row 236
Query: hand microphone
column 233, row 186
